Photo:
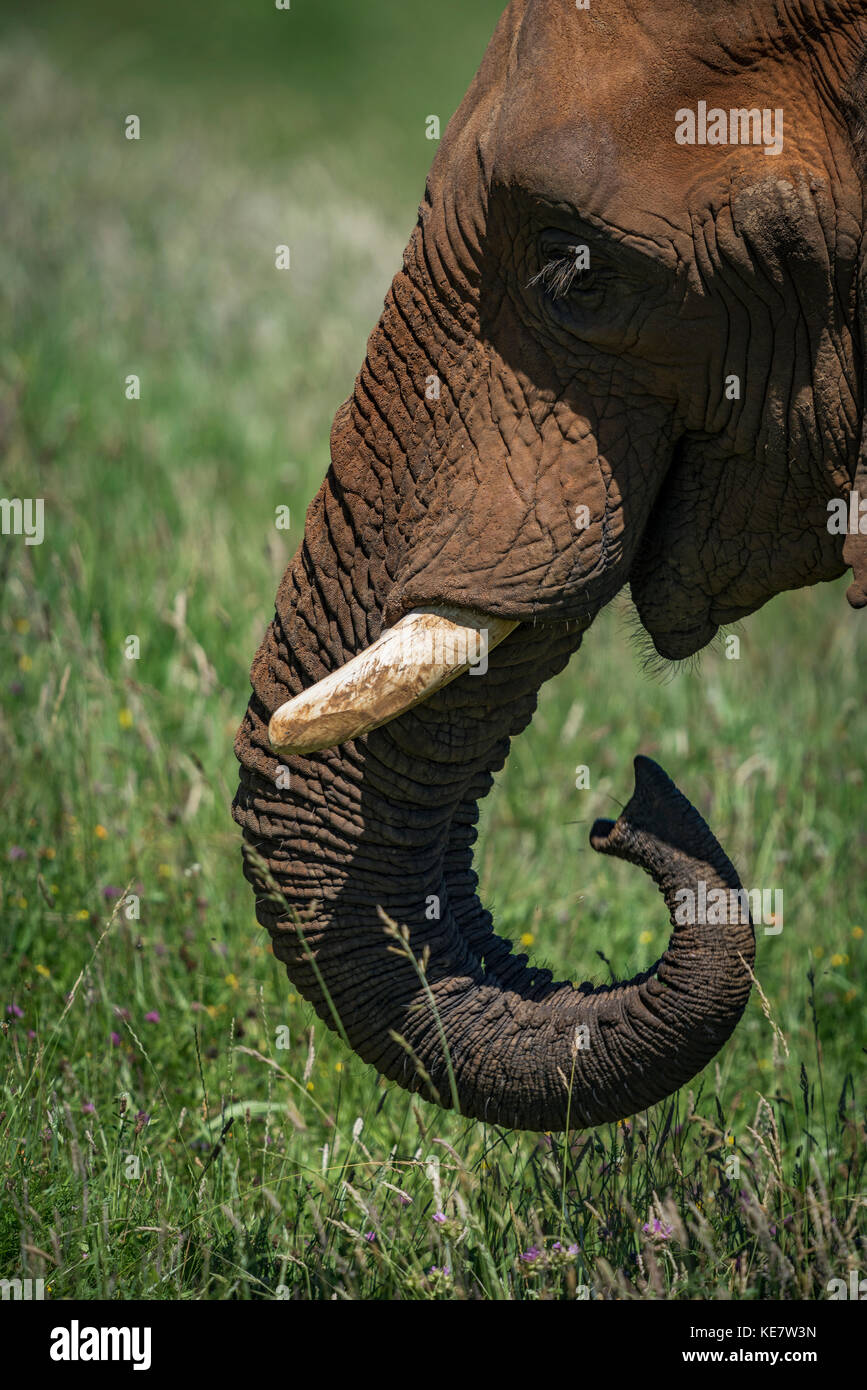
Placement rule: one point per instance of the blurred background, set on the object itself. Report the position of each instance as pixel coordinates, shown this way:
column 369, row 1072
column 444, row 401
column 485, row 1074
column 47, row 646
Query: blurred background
column 156, row 258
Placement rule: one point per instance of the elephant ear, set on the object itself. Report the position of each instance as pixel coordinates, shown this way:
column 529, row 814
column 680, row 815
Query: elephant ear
column 855, row 545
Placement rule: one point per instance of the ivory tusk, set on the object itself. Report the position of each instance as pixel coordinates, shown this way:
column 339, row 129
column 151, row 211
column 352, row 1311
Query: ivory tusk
column 419, row 655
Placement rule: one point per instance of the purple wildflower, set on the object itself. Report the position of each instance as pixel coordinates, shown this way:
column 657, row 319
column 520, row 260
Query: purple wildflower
column 530, row 1255
column 152, row 1017
column 439, row 1217
column 370, row 1235
column 115, row 1039
column 88, row 1108
column 656, row 1228
column 16, row 852
column 109, row 891
column 14, row 1010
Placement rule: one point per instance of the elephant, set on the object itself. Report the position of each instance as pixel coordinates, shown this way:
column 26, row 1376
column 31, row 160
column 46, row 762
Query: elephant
column 624, row 348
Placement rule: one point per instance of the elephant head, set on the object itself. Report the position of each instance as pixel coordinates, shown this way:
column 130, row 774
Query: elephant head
column 623, row 348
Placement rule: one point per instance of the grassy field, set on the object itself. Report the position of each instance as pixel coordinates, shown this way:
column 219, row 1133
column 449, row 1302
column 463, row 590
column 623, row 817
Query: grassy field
column 129, row 1044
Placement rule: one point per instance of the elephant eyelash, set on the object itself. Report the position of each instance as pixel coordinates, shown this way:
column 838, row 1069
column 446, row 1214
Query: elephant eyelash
column 559, row 275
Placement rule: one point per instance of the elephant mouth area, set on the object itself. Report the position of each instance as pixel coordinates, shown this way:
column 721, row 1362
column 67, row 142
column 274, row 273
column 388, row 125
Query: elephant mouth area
column 675, row 636
column 679, row 644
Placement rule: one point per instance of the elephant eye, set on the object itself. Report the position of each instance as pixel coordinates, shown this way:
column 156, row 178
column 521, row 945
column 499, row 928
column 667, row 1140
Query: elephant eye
column 568, row 273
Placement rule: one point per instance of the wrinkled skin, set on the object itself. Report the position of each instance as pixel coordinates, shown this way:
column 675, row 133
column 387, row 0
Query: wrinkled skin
column 705, row 262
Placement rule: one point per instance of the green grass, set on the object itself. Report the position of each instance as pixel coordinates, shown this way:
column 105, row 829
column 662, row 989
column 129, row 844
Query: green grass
column 128, row 1045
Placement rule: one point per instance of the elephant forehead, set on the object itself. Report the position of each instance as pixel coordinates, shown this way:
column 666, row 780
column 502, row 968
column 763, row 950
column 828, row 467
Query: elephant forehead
column 591, row 110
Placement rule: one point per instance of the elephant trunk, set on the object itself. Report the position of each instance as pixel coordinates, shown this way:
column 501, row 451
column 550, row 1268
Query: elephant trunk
column 342, row 843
